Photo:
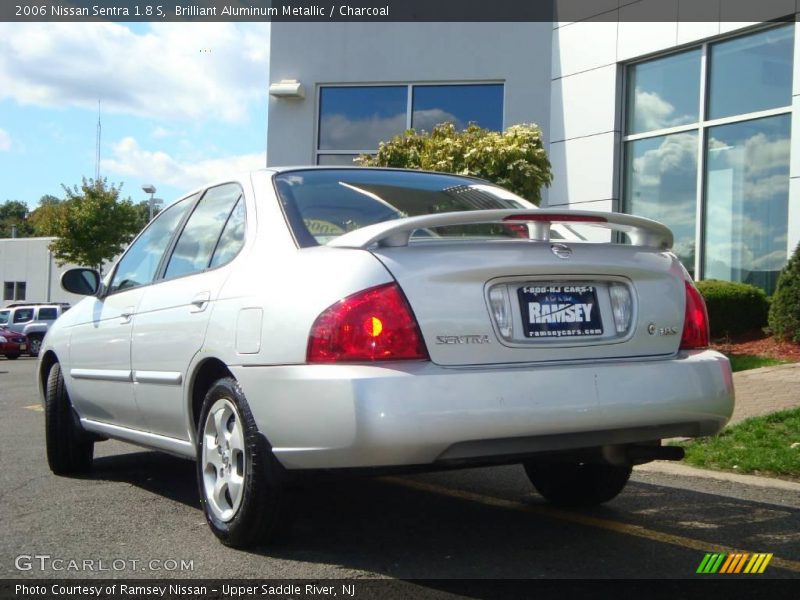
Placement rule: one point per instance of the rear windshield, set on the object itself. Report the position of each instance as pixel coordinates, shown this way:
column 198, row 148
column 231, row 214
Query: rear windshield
column 4, row 315
column 321, row 205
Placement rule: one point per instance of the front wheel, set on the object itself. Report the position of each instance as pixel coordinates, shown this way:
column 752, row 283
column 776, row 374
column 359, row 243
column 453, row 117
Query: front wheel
column 237, row 475
column 68, row 451
column 12, row 356
column 577, row 484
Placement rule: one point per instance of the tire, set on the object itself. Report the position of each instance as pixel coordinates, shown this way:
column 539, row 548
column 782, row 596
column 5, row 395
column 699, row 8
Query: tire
column 577, row 484
column 238, row 478
column 35, row 342
column 12, row 356
column 68, row 451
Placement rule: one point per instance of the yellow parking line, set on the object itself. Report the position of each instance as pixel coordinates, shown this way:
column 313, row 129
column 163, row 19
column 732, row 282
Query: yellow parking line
column 35, row 407
column 563, row 515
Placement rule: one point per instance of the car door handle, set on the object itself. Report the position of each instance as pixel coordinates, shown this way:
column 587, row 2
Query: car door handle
column 126, row 315
column 199, row 302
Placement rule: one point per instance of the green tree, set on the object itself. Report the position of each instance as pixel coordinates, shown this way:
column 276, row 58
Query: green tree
column 14, row 212
column 44, row 216
column 514, row 159
column 784, row 311
column 92, row 224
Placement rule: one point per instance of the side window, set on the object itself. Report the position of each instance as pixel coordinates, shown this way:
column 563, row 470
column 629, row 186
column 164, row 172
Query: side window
column 48, row 314
column 23, row 315
column 232, row 238
column 202, row 231
column 141, row 261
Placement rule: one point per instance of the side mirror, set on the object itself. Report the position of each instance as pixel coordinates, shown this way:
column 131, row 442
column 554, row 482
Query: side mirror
column 85, row 282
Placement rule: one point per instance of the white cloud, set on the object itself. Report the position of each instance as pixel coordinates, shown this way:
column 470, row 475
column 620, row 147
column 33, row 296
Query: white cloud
column 653, row 112
column 129, row 159
column 5, row 141
column 159, row 74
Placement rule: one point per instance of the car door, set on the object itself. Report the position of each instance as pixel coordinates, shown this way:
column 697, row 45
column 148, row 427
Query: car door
column 172, row 319
column 99, row 374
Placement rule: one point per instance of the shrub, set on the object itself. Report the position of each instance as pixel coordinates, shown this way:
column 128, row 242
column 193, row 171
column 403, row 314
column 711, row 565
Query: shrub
column 514, row 159
column 733, row 308
column 784, row 313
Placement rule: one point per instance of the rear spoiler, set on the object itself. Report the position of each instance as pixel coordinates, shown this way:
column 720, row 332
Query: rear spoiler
column 642, row 232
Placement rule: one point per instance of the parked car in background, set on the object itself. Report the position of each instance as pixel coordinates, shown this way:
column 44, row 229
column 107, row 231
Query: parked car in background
column 293, row 320
column 32, row 320
column 12, row 344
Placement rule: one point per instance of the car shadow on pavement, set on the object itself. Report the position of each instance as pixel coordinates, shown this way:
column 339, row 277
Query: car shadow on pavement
column 156, row 472
column 386, row 528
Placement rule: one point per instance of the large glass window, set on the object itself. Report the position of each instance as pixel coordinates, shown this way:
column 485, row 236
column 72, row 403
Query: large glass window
column 661, row 184
column 747, row 193
column 751, row 73
column 664, row 92
column 355, row 119
column 707, row 134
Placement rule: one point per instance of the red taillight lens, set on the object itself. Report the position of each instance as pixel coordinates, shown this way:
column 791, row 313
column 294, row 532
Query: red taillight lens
column 695, row 323
column 376, row 324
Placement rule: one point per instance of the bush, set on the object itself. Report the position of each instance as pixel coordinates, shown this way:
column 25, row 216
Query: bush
column 733, row 308
column 514, row 159
column 784, row 314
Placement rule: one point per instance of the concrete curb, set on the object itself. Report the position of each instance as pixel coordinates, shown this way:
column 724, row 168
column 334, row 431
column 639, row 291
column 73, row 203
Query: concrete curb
column 670, row 468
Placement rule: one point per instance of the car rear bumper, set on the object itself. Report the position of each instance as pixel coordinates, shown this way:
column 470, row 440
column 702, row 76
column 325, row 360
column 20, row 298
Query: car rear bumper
column 13, row 348
column 350, row 416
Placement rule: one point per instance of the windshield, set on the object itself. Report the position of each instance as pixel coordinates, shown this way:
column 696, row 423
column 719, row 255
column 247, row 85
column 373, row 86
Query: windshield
column 323, row 204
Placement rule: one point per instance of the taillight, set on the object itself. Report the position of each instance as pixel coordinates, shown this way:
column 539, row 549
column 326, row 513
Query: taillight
column 695, row 323
column 375, row 324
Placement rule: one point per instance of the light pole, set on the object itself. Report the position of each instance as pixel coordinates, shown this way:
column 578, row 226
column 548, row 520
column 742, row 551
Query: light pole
column 149, row 188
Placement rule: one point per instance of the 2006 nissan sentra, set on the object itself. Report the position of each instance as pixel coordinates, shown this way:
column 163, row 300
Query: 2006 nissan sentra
column 300, row 319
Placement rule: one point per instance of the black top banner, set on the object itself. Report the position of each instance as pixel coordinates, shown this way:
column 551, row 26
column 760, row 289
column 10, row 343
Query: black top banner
column 394, row 10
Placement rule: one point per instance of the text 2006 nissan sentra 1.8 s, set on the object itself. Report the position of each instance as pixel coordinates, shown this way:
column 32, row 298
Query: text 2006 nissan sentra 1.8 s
column 293, row 320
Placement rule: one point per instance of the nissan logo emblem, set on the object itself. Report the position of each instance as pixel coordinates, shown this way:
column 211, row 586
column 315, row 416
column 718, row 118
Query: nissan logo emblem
column 561, row 250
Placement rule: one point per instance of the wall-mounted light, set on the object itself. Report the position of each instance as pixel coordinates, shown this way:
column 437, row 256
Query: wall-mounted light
column 287, row 88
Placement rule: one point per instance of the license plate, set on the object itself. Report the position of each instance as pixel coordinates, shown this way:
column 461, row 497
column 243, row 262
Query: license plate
column 23, row 347
column 556, row 310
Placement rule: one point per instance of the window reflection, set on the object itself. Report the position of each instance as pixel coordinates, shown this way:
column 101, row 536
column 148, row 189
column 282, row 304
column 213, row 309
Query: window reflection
column 337, row 160
column 664, row 92
column 360, row 117
column 751, row 73
column 138, row 266
column 458, row 104
column 200, row 234
column 747, row 194
column 661, row 177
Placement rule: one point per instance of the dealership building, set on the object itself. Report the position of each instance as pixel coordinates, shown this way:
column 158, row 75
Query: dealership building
column 689, row 123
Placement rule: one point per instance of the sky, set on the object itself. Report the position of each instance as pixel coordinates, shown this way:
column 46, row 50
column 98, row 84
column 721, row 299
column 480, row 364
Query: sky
column 180, row 104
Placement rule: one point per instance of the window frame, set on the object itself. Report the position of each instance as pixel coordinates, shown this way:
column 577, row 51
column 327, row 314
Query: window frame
column 701, row 126
column 409, row 109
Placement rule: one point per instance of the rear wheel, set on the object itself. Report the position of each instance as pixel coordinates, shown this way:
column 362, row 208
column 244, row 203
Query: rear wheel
column 67, row 450
column 12, row 356
column 237, row 475
column 35, row 342
column 577, row 484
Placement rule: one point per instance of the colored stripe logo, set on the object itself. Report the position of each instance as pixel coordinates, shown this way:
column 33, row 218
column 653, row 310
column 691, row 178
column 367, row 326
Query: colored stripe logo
column 728, row 564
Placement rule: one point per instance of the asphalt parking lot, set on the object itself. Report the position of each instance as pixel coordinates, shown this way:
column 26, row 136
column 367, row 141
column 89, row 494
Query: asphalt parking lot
column 139, row 510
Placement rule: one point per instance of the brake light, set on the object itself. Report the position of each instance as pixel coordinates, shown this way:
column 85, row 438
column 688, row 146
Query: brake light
column 695, row 322
column 375, row 324
column 558, row 218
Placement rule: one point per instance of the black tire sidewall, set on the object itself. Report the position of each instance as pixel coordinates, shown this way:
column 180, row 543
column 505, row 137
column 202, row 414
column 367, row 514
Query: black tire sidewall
column 257, row 514
column 67, row 453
